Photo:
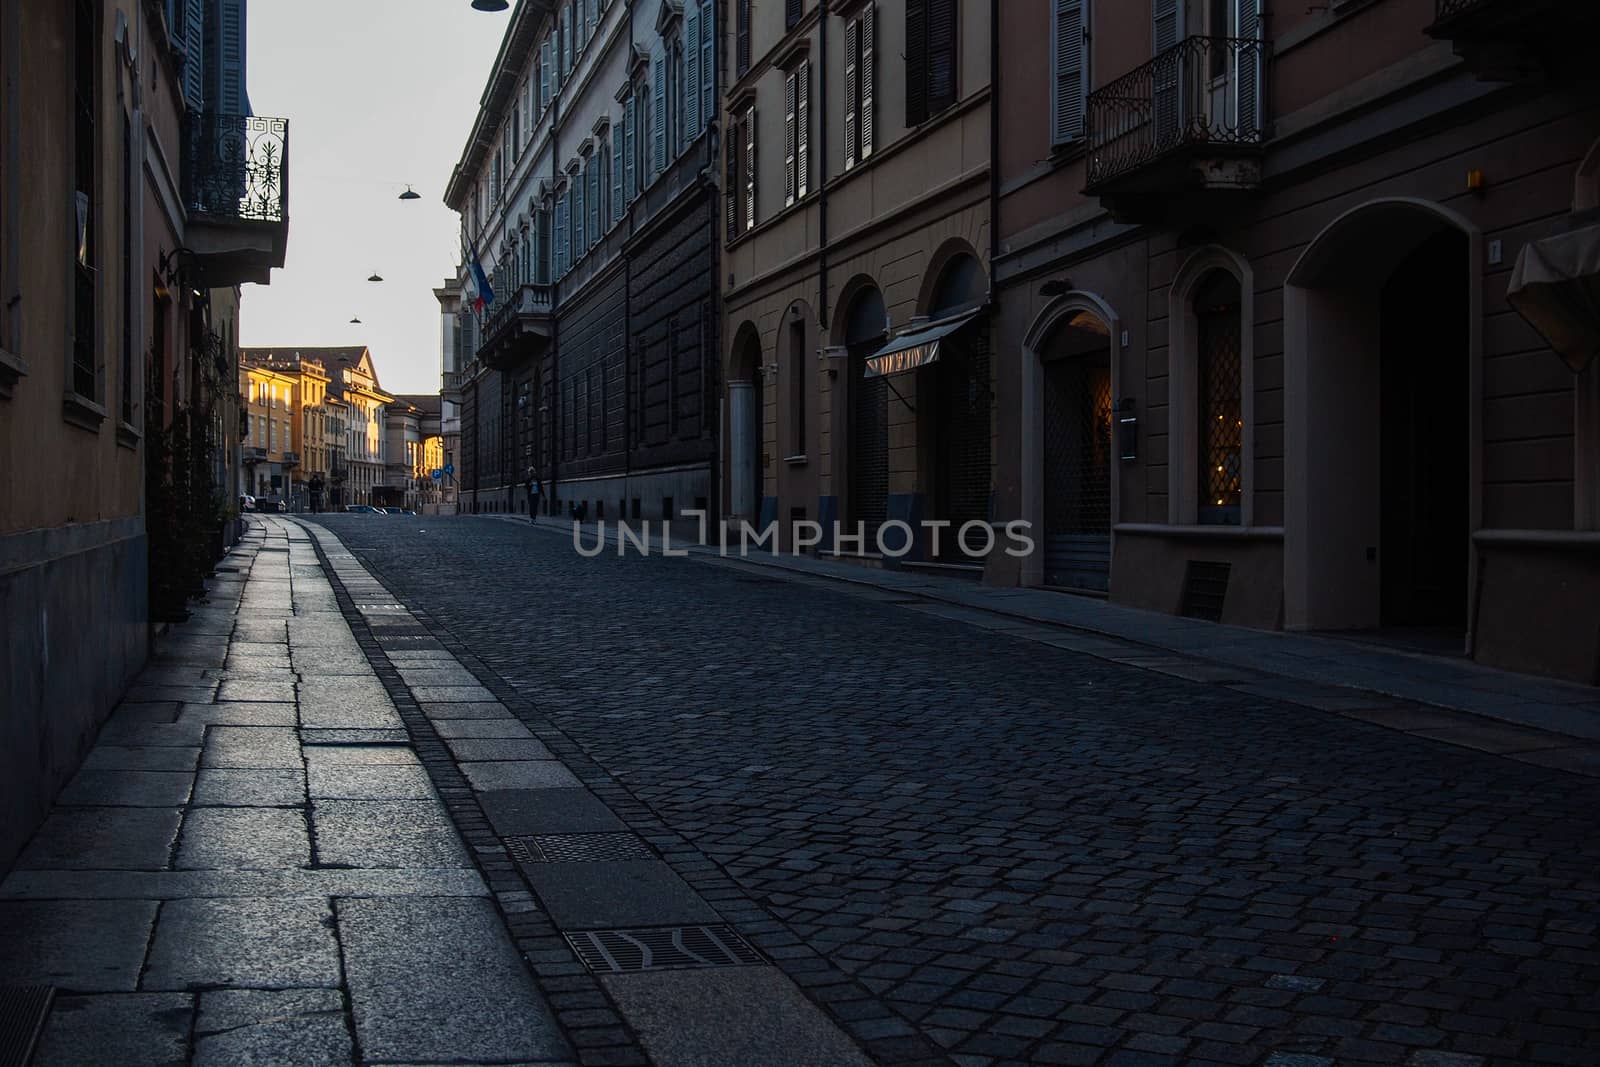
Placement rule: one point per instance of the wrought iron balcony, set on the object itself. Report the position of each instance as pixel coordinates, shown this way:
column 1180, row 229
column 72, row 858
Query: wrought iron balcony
column 518, row 328
column 1189, row 120
column 291, row 459
column 1510, row 40
column 236, row 190
column 252, row 455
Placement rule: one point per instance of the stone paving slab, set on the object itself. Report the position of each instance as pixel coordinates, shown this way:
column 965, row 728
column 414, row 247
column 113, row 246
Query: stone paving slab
column 126, row 1029
column 386, row 833
column 85, row 946
column 289, row 1027
column 145, row 789
column 250, row 787
column 239, row 838
column 59, row 885
column 133, row 838
column 478, row 1002
column 243, row 942
column 751, row 1016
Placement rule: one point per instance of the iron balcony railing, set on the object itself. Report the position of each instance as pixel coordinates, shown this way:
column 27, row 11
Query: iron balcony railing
column 451, row 382
column 291, row 459
column 1203, row 91
column 251, row 454
column 237, row 167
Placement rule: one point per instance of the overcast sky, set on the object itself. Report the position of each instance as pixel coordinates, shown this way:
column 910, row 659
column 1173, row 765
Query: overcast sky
column 378, row 94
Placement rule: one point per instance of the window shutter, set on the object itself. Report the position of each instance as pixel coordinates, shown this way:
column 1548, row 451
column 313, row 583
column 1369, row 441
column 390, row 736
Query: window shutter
column 941, row 55
column 852, row 100
column 544, row 246
column 750, row 168
column 658, row 112
column 802, row 152
column 789, row 95
column 868, row 72
column 691, row 70
column 708, row 65
column 1248, row 80
column 544, row 75
column 1067, row 71
column 596, row 198
column 1166, row 25
column 730, row 183
column 594, row 17
column 741, row 19
column 916, row 62
column 579, row 187
column 619, row 155
column 791, row 13
column 630, row 151
column 566, row 41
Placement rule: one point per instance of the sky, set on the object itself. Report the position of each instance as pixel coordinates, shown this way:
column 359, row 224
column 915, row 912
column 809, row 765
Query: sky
column 379, row 94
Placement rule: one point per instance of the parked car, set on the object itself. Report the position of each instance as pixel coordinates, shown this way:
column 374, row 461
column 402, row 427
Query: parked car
column 246, row 503
column 271, row 503
column 366, row 509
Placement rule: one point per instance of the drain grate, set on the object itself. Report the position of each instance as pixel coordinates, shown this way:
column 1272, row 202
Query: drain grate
column 662, row 948
column 22, row 1013
column 578, row 848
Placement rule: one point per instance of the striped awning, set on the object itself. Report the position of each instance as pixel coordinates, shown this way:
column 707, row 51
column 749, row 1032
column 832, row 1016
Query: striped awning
column 916, row 349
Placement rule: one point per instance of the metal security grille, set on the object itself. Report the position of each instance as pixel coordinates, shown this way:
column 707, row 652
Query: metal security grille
column 1205, row 588
column 1221, row 421
column 1077, row 472
column 578, row 848
column 870, row 467
column 664, row 948
column 963, row 429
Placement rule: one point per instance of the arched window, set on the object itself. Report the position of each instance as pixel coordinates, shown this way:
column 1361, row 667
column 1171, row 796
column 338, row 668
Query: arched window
column 1220, row 425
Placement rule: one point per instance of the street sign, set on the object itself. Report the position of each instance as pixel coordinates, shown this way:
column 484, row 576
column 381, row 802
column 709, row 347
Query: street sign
column 449, row 468
column 436, row 474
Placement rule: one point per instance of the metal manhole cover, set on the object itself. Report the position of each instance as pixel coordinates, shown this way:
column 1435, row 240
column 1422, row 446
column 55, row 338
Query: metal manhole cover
column 578, row 848
column 662, row 948
column 23, row 1009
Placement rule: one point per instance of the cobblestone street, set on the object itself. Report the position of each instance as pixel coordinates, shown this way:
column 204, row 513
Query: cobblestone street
column 967, row 847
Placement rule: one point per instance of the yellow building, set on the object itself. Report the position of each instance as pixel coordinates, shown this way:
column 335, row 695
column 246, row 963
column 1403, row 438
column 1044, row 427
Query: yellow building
column 269, row 449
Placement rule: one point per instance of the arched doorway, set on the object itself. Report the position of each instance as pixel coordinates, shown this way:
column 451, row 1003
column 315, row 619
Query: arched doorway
column 1381, row 376
column 1076, row 454
column 745, row 438
column 866, row 329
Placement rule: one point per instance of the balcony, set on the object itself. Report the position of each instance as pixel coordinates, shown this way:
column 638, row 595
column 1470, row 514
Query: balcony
column 450, row 382
column 291, row 460
column 1516, row 40
column 251, row 455
column 518, row 329
column 236, row 190
column 1180, row 132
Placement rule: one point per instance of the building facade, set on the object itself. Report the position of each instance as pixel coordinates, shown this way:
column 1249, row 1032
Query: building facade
column 856, row 206
column 451, row 362
column 271, row 455
column 587, row 194
column 118, row 311
column 1260, row 360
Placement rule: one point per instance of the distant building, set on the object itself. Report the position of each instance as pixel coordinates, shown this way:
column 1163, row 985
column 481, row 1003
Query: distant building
column 452, row 359
column 416, row 449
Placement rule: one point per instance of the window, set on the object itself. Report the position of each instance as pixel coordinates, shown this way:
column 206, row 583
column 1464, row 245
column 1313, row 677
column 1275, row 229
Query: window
column 579, row 187
column 707, row 67
column 592, row 171
column 542, row 257
column 677, row 135
column 544, row 75
column 798, row 378
column 796, row 133
column 658, row 112
column 604, row 192
column 630, row 150
column 1069, row 63
column 930, row 58
column 860, row 68
column 741, row 48
column 616, row 164
column 750, row 167
column 85, row 376
column 1221, row 419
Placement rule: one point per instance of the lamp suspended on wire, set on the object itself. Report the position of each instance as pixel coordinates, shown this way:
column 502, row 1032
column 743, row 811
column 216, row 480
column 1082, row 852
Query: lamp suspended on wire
column 355, row 322
column 376, row 277
column 410, row 194
column 489, row 5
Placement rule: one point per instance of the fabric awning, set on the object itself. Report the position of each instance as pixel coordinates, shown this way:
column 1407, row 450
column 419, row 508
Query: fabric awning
column 1556, row 287
column 916, row 349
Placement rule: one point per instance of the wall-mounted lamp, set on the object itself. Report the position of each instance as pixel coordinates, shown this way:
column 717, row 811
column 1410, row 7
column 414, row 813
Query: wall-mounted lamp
column 169, row 266
column 1055, row 287
column 1127, row 430
column 1475, row 181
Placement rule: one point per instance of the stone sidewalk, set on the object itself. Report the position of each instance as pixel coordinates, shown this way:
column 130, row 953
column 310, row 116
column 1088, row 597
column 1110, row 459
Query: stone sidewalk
column 254, row 867
column 1544, row 721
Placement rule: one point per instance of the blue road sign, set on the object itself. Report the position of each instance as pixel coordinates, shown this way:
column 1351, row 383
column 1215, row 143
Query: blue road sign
column 449, row 468
column 436, row 474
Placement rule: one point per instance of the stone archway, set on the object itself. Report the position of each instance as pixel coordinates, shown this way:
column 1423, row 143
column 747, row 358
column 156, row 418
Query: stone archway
column 1383, row 387
column 1063, row 313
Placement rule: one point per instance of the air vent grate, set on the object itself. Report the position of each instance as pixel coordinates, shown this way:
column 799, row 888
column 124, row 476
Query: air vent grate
column 23, row 1009
column 662, row 948
column 1205, row 586
column 578, row 848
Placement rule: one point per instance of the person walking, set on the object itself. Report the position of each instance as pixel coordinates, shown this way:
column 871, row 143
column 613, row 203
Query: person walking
column 533, row 498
